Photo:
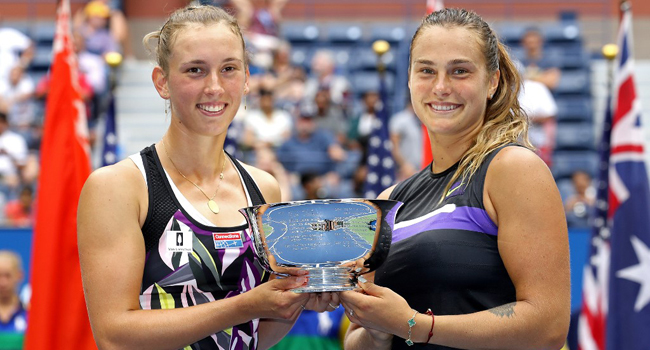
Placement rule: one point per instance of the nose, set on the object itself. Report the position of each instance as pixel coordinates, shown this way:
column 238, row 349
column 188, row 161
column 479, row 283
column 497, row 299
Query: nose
column 441, row 84
column 213, row 84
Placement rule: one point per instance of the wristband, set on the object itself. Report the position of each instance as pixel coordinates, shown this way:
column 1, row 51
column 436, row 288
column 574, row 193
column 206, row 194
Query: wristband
column 433, row 321
column 411, row 322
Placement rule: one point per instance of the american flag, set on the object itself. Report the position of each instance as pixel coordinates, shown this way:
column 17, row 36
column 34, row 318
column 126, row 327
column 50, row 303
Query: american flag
column 381, row 166
column 616, row 285
column 109, row 149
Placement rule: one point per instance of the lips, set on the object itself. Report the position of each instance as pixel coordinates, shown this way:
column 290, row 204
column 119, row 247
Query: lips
column 443, row 107
column 212, row 108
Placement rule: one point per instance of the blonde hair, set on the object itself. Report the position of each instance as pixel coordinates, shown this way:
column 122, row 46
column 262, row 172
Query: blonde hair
column 504, row 121
column 180, row 19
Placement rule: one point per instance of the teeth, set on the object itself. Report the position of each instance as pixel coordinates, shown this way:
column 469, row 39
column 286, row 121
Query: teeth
column 444, row 108
column 212, row 108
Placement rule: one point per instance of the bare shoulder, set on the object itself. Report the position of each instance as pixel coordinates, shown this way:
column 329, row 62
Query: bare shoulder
column 266, row 182
column 116, row 187
column 519, row 164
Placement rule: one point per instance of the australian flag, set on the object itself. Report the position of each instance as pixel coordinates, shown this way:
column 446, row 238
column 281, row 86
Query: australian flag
column 380, row 163
column 616, row 286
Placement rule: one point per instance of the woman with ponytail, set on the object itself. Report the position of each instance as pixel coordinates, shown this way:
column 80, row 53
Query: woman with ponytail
column 480, row 253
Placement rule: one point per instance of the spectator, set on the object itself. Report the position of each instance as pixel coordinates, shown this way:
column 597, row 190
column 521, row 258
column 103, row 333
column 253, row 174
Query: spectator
column 579, row 205
column 94, row 28
column 267, row 126
column 323, row 77
column 311, row 150
column 330, row 116
column 537, row 65
column 16, row 48
column 19, row 212
column 406, row 135
column 538, row 103
column 13, row 315
column 13, row 157
column 288, row 79
column 117, row 25
column 17, row 100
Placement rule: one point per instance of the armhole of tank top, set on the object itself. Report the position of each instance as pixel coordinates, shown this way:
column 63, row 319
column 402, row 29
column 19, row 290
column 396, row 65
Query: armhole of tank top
column 140, row 161
column 484, row 169
column 253, row 193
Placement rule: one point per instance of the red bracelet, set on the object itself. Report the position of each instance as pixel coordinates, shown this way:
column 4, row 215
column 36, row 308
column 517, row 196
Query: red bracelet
column 433, row 321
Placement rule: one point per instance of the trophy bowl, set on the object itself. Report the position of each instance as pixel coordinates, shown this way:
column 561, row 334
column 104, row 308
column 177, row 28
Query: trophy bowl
column 330, row 238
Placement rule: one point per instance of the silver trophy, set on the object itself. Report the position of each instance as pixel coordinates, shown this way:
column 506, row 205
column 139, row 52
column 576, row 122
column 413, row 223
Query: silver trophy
column 330, row 238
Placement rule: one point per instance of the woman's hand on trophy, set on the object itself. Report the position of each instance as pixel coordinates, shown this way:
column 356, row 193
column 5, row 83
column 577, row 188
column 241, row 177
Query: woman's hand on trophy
column 321, row 302
column 376, row 308
column 275, row 298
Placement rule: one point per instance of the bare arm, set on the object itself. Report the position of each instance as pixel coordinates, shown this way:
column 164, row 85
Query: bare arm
column 521, row 197
column 112, row 256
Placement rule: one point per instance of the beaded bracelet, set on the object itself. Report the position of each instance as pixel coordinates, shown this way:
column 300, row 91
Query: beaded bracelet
column 411, row 322
column 433, row 321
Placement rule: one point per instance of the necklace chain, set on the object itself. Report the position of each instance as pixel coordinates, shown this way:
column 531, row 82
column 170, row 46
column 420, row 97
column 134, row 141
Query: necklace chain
column 211, row 203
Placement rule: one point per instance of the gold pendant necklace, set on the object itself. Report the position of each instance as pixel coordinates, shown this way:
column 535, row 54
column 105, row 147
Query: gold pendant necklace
column 211, row 203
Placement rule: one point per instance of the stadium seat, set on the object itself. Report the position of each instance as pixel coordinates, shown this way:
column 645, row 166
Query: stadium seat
column 575, row 136
column 574, row 108
column 365, row 58
column 394, row 34
column 300, row 32
column 301, row 55
column 43, row 34
column 562, row 33
column 574, row 81
column 364, row 81
column 341, row 33
column 565, row 163
column 42, row 60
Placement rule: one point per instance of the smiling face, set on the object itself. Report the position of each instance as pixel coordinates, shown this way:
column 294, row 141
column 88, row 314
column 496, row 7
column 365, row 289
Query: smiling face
column 449, row 81
column 207, row 78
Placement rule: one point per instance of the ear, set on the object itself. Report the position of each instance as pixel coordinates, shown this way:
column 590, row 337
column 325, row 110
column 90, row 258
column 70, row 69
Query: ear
column 160, row 82
column 494, row 83
column 246, row 88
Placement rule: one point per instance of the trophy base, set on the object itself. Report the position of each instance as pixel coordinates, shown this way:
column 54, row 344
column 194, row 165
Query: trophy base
column 327, row 279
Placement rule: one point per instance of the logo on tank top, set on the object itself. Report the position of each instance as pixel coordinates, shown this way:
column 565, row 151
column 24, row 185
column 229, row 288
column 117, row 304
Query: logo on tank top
column 223, row 240
column 179, row 241
column 456, row 190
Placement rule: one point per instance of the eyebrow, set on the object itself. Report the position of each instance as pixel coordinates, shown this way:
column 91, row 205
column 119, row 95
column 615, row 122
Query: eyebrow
column 451, row 63
column 198, row 61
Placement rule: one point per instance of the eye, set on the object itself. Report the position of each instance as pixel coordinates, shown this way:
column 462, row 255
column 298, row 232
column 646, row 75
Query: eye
column 460, row 71
column 195, row 70
column 229, row 69
column 427, row 71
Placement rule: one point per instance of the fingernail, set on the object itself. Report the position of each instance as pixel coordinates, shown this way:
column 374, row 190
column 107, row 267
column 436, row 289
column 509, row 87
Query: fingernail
column 301, row 279
column 358, row 269
column 362, row 279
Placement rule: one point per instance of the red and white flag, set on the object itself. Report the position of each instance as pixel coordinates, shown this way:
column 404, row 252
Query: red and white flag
column 57, row 317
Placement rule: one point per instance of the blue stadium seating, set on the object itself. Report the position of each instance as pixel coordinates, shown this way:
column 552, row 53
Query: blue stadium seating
column 364, row 58
column 394, row 34
column 300, row 33
column 342, row 33
column 565, row 163
column 574, row 108
column 574, row 81
column 575, row 136
column 364, row 81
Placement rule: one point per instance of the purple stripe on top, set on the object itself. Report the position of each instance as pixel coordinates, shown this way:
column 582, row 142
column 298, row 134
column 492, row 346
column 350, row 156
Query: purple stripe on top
column 461, row 218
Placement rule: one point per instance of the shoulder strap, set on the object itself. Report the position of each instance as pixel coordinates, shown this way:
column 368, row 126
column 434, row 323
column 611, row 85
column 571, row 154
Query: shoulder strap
column 256, row 195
